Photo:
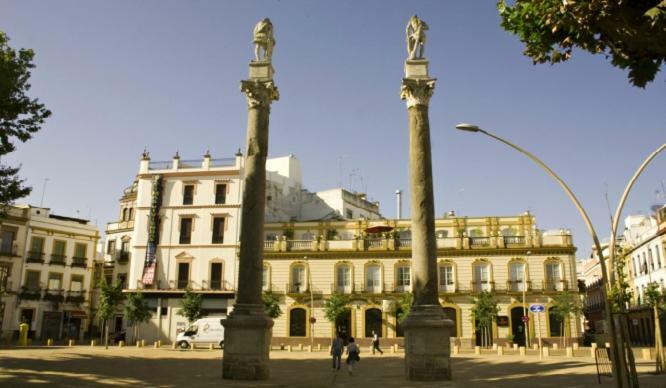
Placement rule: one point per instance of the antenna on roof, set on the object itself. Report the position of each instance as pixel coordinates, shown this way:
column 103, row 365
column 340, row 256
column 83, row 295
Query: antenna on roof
column 41, row 202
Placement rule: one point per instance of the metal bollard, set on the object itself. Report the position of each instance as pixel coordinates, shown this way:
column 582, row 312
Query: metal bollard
column 173, row 345
column 210, row 347
column 289, row 348
column 521, row 350
column 569, row 351
column 500, row 351
column 300, row 347
column 515, row 346
column 121, row 344
column 310, row 348
column 494, row 346
column 93, row 343
column 546, row 351
column 575, row 346
column 393, row 350
column 555, row 346
column 456, row 350
column 535, row 346
column 318, row 347
column 156, row 345
column 49, row 342
column 138, row 344
column 70, row 343
column 192, row 346
column 477, row 350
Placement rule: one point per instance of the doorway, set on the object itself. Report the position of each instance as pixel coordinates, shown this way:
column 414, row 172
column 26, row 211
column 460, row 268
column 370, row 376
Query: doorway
column 518, row 326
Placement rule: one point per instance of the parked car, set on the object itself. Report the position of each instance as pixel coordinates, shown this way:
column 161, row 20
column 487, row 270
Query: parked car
column 202, row 331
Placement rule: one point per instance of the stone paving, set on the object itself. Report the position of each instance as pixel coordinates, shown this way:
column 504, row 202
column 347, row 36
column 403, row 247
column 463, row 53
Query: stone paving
column 147, row 367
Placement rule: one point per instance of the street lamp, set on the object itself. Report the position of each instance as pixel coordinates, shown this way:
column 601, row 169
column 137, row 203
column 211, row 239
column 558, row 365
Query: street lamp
column 618, row 357
column 312, row 318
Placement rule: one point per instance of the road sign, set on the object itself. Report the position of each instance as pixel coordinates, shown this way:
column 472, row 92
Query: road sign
column 526, row 318
column 537, row 308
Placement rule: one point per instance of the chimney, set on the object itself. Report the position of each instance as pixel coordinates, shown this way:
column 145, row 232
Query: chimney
column 398, row 197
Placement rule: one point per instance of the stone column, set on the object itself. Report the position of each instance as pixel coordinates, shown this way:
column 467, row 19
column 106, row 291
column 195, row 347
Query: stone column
column 427, row 331
column 247, row 329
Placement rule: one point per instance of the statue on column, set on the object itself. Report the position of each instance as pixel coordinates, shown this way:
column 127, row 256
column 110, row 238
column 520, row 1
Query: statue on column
column 416, row 38
column 263, row 39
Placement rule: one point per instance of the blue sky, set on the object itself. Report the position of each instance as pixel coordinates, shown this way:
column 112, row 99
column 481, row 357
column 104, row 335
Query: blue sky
column 123, row 75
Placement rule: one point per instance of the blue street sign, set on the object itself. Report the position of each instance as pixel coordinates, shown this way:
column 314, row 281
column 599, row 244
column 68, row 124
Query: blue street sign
column 537, row 308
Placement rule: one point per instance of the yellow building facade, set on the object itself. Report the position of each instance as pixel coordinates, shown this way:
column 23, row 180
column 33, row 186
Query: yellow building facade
column 370, row 262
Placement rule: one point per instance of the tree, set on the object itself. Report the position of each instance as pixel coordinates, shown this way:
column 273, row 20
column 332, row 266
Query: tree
column 405, row 306
column 484, row 311
column 190, row 306
column 564, row 305
column 136, row 312
column 109, row 298
column 271, row 304
column 336, row 308
column 657, row 300
column 631, row 33
column 20, row 116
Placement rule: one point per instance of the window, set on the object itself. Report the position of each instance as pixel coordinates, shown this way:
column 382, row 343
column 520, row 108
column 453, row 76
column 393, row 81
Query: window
column 403, row 278
column 373, row 279
column 58, row 253
column 188, row 194
column 297, row 325
column 216, row 276
column 218, row 230
column 55, row 281
column 656, row 254
column 4, row 276
column 298, row 279
column 343, row 279
column 131, row 214
column 220, row 194
column 76, row 283
column 111, row 247
column 124, row 214
column 183, row 275
column 123, row 246
column 481, row 280
column 517, row 274
column 446, row 278
column 8, row 237
column 80, row 250
column 32, row 280
column 36, row 249
column 185, row 230
column 553, row 279
column 349, row 213
column 264, row 278
column 649, row 251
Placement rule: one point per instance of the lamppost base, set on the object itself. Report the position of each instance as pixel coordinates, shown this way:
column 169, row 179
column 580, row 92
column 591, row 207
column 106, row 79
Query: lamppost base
column 247, row 338
column 427, row 344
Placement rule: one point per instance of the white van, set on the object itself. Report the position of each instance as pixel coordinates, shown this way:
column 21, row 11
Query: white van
column 203, row 331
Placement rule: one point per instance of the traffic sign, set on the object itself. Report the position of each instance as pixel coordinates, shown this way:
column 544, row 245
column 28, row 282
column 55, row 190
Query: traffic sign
column 526, row 318
column 537, row 308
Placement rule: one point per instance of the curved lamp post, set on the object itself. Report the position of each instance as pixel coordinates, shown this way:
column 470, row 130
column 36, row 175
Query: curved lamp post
column 618, row 357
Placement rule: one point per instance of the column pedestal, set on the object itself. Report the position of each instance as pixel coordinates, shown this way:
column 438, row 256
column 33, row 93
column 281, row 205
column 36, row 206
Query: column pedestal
column 247, row 339
column 427, row 344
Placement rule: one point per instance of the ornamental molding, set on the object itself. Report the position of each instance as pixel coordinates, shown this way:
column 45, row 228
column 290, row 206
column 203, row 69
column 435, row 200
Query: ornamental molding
column 260, row 93
column 417, row 91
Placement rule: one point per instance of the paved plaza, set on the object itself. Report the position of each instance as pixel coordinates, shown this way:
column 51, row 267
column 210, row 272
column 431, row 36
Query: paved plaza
column 148, row 367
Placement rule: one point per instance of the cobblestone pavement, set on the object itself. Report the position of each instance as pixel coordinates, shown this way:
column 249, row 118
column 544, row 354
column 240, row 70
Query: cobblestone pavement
column 148, row 367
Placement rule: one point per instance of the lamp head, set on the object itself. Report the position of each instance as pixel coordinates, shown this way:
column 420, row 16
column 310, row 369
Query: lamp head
column 468, row 127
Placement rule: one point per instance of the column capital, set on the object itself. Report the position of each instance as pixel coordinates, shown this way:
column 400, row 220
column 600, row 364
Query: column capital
column 417, row 91
column 260, row 93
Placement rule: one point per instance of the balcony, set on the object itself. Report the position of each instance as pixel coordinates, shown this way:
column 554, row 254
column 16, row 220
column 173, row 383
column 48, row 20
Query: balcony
column 79, row 262
column 35, row 257
column 30, row 293
column 54, row 296
column 518, row 286
column 374, row 243
column 555, row 285
column 342, row 288
column 8, row 250
column 480, row 286
column 514, row 240
column 76, row 297
column 404, row 243
column 372, row 288
column 296, row 288
column 479, row 242
column 447, row 288
column 269, row 245
column 122, row 257
column 299, row 245
column 57, row 260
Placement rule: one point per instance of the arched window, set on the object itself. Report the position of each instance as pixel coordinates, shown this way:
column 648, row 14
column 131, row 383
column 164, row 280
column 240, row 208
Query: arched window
column 298, row 280
column 481, row 276
column 403, row 278
column 124, row 214
column 553, row 276
column 297, row 325
column 343, row 276
column 373, row 278
column 373, row 321
column 517, row 275
column 446, row 277
column 131, row 214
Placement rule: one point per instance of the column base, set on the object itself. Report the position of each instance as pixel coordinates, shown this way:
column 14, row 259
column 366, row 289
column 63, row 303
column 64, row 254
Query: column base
column 247, row 337
column 427, row 344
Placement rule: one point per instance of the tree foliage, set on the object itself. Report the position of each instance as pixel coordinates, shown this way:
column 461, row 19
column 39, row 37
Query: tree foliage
column 20, row 116
column 484, row 311
column 110, row 296
column 136, row 310
column 271, row 304
column 631, row 33
column 190, row 306
column 405, row 306
column 336, row 307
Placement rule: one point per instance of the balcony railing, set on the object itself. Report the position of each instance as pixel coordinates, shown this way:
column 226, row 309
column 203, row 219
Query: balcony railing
column 517, row 286
column 296, row 288
column 479, row 241
column 447, row 288
column 479, row 286
column 554, row 285
column 8, row 250
column 30, row 293
column 405, row 243
column 269, row 244
column 299, row 245
column 76, row 297
column 57, row 260
column 342, row 288
column 55, row 296
column 374, row 243
column 79, row 262
column 35, row 257
column 372, row 288
column 122, row 257
column 514, row 240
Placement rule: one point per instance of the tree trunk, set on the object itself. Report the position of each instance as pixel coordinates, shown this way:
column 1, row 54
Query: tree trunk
column 106, row 334
column 658, row 344
column 136, row 333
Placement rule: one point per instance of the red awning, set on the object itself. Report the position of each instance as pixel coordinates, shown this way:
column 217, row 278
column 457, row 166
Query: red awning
column 379, row 229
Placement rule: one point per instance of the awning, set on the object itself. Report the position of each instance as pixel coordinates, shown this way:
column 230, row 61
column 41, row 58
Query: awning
column 379, row 229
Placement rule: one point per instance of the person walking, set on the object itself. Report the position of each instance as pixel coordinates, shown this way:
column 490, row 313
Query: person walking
column 337, row 346
column 352, row 355
column 375, row 343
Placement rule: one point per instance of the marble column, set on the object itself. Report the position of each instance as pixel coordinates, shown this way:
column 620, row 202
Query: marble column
column 427, row 331
column 247, row 328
